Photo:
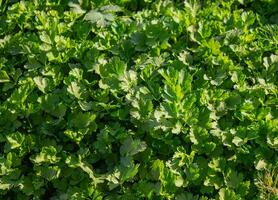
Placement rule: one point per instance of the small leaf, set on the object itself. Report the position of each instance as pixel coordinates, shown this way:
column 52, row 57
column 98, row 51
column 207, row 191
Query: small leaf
column 5, row 186
column 238, row 141
column 179, row 181
column 111, row 8
column 129, row 172
column 85, row 106
column 74, row 89
column 48, row 172
column 45, row 38
column 15, row 140
column 225, row 194
column 101, row 19
column 76, row 8
column 4, row 77
column 260, row 165
column 132, row 147
column 42, row 83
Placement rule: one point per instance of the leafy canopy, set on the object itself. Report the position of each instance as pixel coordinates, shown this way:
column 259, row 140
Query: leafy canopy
column 138, row 99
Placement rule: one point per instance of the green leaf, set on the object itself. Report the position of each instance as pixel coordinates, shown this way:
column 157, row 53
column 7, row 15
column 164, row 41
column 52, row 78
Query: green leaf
column 5, row 186
column 48, row 172
column 225, row 194
column 99, row 18
column 238, row 141
column 81, row 120
column 128, row 173
column 47, row 155
column 42, row 83
column 45, row 38
column 4, row 77
column 75, row 89
column 131, row 147
column 76, row 136
column 51, row 103
column 76, row 8
column 260, row 165
column 233, row 178
column 15, row 140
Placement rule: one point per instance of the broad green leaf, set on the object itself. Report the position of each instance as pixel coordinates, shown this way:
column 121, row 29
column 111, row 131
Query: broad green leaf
column 81, row 120
column 132, row 147
column 233, row 179
column 102, row 19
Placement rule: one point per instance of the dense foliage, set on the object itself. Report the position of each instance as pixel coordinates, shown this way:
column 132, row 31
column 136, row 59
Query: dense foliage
column 138, row 99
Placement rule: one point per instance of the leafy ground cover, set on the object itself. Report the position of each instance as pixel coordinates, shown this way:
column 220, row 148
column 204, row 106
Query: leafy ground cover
column 127, row 99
